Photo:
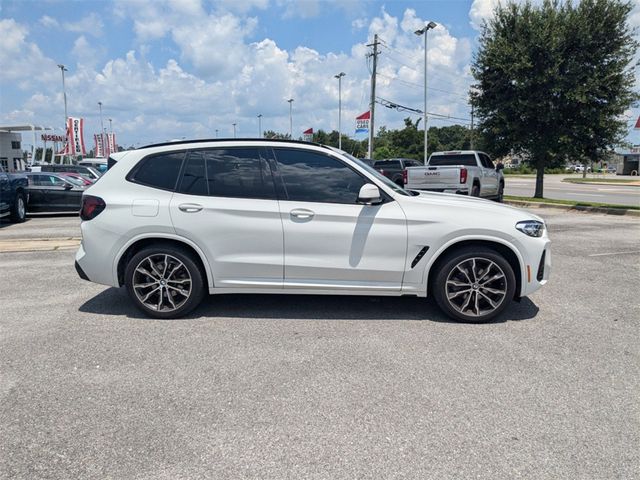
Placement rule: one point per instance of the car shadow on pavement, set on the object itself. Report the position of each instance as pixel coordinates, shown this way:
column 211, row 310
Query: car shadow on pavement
column 115, row 301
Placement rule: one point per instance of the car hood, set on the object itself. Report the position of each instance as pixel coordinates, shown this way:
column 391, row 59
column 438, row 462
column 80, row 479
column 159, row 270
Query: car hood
column 469, row 204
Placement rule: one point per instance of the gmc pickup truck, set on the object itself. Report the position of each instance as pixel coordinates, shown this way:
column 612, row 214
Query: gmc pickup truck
column 466, row 172
column 13, row 196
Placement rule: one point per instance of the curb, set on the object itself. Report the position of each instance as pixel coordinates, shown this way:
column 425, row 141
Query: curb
column 578, row 208
column 608, row 184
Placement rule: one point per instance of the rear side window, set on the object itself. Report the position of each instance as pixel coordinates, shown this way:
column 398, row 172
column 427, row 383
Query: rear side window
column 467, row 159
column 159, row 171
column 313, row 177
column 412, row 163
column 232, row 172
column 239, row 173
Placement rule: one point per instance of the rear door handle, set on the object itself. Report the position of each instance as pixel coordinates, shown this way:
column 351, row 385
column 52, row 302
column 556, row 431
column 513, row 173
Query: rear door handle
column 302, row 213
column 190, row 207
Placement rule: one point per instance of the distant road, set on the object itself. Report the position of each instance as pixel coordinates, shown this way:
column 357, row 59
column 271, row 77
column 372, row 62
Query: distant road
column 556, row 189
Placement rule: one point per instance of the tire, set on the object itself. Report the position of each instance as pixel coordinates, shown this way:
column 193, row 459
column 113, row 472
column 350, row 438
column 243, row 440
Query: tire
column 19, row 209
column 157, row 278
column 500, row 197
column 485, row 299
column 475, row 191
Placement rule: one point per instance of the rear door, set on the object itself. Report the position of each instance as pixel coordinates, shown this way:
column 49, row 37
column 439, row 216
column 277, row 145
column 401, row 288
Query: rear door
column 226, row 203
column 332, row 242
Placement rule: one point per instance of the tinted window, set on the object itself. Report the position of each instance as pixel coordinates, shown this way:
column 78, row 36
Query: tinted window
column 160, row 171
column 468, row 160
column 238, row 173
column 486, row 161
column 412, row 163
column 194, row 180
column 388, row 164
column 312, row 177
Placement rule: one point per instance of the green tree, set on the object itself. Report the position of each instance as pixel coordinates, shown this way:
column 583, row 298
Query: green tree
column 553, row 80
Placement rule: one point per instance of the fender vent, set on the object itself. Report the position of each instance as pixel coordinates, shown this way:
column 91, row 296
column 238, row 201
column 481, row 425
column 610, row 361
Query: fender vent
column 421, row 253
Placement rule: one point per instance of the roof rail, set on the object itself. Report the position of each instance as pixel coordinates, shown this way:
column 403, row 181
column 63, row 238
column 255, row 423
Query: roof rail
column 207, row 140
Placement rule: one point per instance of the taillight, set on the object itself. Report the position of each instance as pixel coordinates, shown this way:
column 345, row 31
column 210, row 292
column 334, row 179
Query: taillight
column 404, row 176
column 91, row 207
column 463, row 175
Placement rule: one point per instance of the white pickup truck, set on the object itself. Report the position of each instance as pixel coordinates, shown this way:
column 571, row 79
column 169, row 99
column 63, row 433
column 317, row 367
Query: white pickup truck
column 466, row 172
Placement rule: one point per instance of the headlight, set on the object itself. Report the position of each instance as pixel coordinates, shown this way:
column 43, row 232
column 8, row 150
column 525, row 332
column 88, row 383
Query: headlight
column 533, row 228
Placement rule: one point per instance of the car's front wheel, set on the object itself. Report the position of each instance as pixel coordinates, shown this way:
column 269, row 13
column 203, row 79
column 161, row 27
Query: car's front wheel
column 474, row 284
column 164, row 281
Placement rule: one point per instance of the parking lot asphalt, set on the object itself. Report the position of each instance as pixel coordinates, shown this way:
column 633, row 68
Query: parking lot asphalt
column 291, row 387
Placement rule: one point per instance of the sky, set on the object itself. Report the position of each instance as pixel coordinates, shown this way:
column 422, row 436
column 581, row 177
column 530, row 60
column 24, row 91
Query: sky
column 168, row 69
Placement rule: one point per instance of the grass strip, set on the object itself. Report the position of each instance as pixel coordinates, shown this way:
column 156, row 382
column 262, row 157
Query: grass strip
column 572, row 202
column 601, row 180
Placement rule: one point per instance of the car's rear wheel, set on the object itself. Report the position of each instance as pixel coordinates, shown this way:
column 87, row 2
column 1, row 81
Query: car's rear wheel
column 164, row 281
column 475, row 191
column 474, row 284
column 19, row 210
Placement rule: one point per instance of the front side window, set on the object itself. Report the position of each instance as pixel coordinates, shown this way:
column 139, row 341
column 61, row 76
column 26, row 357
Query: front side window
column 313, row 177
column 160, row 171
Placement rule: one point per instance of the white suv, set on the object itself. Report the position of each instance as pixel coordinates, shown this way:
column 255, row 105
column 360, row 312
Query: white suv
column 172, row 222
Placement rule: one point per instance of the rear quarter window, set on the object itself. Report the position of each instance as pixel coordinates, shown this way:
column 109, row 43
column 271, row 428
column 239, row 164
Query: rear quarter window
column 159, row 171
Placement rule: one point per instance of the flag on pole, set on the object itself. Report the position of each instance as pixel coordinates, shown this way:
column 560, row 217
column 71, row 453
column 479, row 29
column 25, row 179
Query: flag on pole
column 637, row 123
column 112, row 146
column 307, row 135
column 75, row 137
column 99, row 150
column 362, row 122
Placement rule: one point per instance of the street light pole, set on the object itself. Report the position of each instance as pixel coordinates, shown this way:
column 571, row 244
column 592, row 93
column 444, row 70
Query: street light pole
column 110, row 127
column 339, row 77
column 216, row 133
column 290, row 118
column 424, row 31
column 64, row 94
column 101, row 128
column 259, row 125
column 234, row 129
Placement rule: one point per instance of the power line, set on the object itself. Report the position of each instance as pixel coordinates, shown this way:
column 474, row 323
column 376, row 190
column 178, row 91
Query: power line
column 421, row 86
column 402, row 108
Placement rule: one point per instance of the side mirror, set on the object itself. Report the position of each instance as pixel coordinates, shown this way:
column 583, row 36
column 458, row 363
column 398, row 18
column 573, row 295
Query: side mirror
column 68, row 186
column 369, row 194
column 499, row 167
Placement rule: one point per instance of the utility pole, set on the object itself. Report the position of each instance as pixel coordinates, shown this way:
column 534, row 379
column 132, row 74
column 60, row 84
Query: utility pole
column 472, row 132
column 290, row 118
column 339, row 77
column 102, row 129
column 260, row 125
column 64, row 94
column 424, row 31
column 372, row 103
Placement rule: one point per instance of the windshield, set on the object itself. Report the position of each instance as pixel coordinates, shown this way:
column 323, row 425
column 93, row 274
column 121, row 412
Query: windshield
column 74, row 180
column 373, row 172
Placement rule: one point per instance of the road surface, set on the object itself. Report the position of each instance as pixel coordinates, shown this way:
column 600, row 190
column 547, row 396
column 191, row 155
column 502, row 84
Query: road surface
column 556, row 189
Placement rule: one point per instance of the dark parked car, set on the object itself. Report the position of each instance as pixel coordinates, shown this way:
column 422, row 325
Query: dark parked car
column 89, row 172
column 13, row 195
column 393, row 168
column 52, row 192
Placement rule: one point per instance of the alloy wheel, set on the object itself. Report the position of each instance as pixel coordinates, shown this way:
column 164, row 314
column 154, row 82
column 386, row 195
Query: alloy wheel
column 162, row 283
column 476, row 287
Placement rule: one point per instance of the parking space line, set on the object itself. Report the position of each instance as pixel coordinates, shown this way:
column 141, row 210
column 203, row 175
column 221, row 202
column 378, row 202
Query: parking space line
column 612, row 253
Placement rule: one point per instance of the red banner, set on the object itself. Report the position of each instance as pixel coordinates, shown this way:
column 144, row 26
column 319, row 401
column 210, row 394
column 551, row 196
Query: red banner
column 637, row 123
column 75, row 137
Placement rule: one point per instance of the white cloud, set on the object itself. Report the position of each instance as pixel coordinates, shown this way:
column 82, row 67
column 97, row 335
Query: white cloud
column 91, row 24
column 49, row 22
column 359, row 23
column 219, row 76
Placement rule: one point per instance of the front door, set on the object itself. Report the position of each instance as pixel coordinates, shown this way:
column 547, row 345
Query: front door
column 226, row 203
column 331, row 241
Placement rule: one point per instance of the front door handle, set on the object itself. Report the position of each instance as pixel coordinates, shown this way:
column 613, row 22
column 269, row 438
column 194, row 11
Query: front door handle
column 302, row 213
column 190, row 207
